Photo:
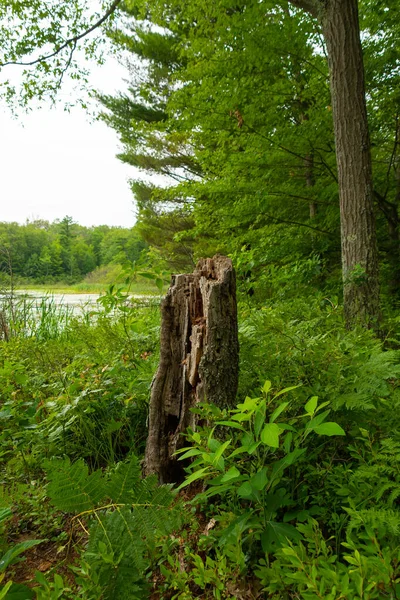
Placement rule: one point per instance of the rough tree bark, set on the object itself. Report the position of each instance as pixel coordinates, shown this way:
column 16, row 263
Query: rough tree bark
column 358, row 236
column 340, row 27
column 198, row 359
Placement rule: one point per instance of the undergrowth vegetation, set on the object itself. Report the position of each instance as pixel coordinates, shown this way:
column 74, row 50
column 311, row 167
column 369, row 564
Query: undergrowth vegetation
column 294, row 493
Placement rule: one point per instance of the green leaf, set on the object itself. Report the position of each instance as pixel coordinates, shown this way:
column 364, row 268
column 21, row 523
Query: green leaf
column 245, row 490
column 240, row 450
column 249, row 404
column 4, row 590
column 220, row 451
column 17, row 591
column 317, row 420
column 114, row 426
column 266, row 387
column 329, row 428
column 259, row 480
column 189, row 453
column 311, row 405
column 286, row 390
column 232, row 473
column 259, row 418
column 285, row 462
column 201, row 473
column 275, row 534
column 252, row 447
column 231, row 424
column 278, row 411
column 15, row 551
column 270, row 435
column 159, row 284
column 5, row 513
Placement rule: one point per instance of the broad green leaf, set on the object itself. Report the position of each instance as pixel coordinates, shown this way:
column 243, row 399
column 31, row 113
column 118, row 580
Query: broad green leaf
column 245, row 490
column 238, row 451
column 17, row 591
column 278, row 411
column 270, row 435
column 242, row 416
column 249, row 404
column 231, row 424
column 5, row 513
column 259, row 418
column 311, row 405
column 114, row 426
column 259, row 480
column 317, row 420
column 266, row 387
column 220, row 451
column 4, row 590
column 275, row 534
column 232, row 473
column 286, row 390
column 329, row 428
column 213, row 491
column 189, row 453
column 213, row 444
column 15, row 551
column 253, row 447
column 321, row 406
column 194, row 476
column 288, row 442
column 285, row 462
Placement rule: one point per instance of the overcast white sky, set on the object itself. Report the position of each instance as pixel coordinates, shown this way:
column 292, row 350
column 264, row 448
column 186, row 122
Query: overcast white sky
column 54, row 163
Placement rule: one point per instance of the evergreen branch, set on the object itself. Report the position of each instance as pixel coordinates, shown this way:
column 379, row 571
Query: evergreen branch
column 308, row 5
column 279, row 220
column 72, row 40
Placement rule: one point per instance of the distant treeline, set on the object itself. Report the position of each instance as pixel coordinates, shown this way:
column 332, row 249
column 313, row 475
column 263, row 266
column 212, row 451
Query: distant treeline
column 64, row 250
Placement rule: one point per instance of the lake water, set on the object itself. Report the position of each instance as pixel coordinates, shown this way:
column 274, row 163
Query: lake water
column 77, row 302
column 73, row 300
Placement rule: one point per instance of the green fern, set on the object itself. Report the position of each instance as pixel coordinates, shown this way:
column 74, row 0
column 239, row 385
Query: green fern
column 128, row 514
column 365, row 385
column 71, row 488
column 121, row 485
column 121, row 574
column 384, row 522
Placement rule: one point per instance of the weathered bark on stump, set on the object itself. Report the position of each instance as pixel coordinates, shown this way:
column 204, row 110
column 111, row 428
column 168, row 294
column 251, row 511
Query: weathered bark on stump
column 198, row 359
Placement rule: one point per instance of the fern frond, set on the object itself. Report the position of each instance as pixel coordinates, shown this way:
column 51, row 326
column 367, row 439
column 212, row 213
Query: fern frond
column 71, row 488
column 148, row 491
column 122, row 578
column 383, row 521
column 120, row 487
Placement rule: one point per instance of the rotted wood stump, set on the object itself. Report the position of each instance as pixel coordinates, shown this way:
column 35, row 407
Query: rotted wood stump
column 199, row 358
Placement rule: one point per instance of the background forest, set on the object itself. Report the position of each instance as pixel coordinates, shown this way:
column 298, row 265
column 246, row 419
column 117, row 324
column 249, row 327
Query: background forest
column 233, row 114
column 43, row 252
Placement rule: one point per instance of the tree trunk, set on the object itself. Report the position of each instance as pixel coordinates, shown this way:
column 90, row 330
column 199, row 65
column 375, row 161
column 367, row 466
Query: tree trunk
column 339, row 19
column 309, row 175
column 198, row 359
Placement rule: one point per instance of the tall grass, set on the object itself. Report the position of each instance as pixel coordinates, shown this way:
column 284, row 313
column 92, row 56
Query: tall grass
column 143, row 287
column 42, row 318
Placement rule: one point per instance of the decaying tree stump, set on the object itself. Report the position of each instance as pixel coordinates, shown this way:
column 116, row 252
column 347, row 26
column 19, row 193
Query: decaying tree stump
column 198, row 359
